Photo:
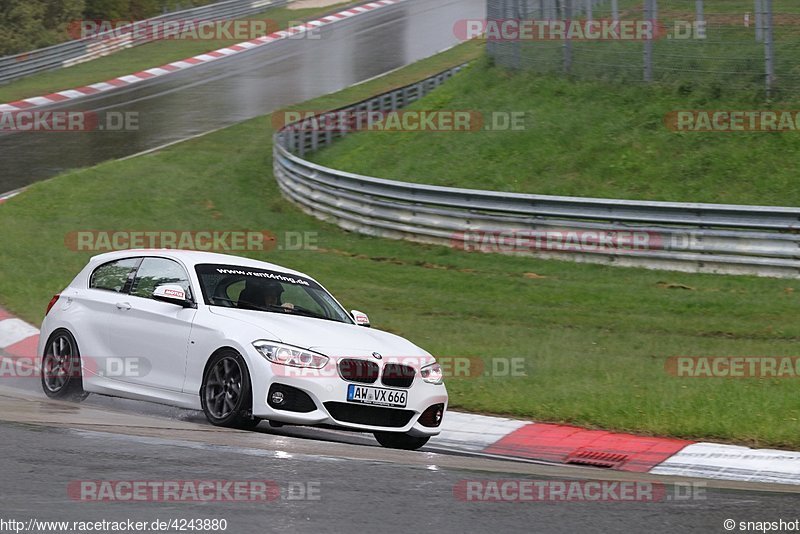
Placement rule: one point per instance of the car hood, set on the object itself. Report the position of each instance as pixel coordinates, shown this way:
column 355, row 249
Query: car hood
column 326, row 337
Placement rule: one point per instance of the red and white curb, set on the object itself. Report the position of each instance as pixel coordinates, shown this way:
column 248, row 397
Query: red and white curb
column 732, row 462
column 625, row 452
column 123, row 81
column 499, row 436
column 18, row 339
column 10, row 194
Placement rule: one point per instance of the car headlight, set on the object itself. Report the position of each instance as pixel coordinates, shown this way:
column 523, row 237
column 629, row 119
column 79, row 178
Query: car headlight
column 292, row 356
column 432, row 374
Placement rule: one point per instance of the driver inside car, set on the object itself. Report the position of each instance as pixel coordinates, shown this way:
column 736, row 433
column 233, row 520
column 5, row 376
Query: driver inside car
column 259, row 294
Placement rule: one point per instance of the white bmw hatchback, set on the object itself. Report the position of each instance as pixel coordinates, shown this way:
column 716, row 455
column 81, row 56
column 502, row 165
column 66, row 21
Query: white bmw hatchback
column 243, row 340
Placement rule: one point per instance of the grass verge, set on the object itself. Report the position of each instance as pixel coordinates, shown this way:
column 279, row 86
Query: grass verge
column 142, row 57
column 581, row 139
column 595, row 339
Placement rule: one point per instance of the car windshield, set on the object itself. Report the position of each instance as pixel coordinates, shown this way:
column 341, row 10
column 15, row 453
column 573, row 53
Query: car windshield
column 246, row 288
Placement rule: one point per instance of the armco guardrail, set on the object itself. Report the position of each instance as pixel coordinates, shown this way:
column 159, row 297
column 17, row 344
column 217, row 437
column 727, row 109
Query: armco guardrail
column 78, row 51
column 716, row 238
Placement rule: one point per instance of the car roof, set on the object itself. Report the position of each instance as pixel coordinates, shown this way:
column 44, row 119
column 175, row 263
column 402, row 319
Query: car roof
column 190, row 258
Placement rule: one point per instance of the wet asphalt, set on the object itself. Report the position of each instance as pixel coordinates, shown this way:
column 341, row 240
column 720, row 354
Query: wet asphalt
column 224, row 92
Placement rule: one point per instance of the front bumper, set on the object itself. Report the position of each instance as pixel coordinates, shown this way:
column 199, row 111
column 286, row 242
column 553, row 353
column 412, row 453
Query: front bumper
column 330, row 406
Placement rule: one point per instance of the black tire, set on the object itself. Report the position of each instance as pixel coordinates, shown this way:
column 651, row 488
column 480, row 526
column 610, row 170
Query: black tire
column 61, row 368
column 226, row 395
column 397, row 440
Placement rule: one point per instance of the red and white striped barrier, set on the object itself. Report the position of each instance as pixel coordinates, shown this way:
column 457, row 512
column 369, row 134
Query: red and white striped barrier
column 499, row 436
column 18, row 339
column 123, row 81
column 10, row 194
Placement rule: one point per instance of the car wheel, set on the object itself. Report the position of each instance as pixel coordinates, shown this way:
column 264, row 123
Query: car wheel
column 397, row 440
column 226, row 393
column 61, row 368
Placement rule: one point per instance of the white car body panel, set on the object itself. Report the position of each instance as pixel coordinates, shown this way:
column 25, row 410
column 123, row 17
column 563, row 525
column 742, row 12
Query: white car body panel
column 177, row 342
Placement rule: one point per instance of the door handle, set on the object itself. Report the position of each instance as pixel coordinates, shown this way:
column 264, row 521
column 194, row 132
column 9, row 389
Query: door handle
column 123, row 306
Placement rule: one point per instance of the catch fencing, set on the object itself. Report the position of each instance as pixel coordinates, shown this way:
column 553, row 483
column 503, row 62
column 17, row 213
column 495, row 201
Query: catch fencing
column 711, row 46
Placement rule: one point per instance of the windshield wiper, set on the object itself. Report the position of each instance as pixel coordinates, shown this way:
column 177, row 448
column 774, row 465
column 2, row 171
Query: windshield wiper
column 225, row 299
column 250, row 305
column 308, row 313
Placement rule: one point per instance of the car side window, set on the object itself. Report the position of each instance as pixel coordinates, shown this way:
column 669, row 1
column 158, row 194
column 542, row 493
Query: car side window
column 156, row 272
column 114, row 275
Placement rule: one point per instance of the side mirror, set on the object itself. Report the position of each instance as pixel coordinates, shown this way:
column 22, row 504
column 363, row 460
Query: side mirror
column 360, row 318
column 173, row 294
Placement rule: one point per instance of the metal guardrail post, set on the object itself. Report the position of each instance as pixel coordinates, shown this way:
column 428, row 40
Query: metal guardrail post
column 649, row 10
column 769, row 47
column 758, row 8
column 568, row 41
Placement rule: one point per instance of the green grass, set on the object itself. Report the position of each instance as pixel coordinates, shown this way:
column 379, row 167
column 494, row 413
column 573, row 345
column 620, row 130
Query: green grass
column 141, row 57
column 583, row 138
column 594, row 338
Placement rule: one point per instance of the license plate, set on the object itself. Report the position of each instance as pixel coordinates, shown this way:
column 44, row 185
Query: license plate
column 377, row 396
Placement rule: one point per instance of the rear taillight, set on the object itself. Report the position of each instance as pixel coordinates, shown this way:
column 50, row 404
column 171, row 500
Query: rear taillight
column 52, row 303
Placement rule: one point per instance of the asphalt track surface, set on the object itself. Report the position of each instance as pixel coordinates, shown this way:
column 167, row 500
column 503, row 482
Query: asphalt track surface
column 231, row 90
column 355, row 485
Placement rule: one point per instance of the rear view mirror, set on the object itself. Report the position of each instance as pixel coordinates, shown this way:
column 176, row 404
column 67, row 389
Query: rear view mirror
column 173, row 294
column 360, row 318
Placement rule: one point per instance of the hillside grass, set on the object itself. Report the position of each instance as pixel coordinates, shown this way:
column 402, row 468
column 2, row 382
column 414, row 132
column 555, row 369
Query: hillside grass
column 586, row 138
